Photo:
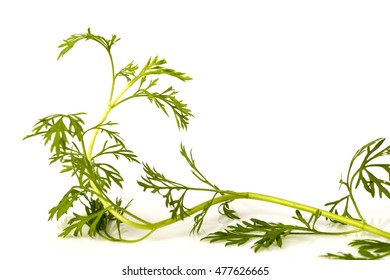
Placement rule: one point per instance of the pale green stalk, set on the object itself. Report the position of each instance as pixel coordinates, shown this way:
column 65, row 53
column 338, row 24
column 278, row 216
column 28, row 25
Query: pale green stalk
column 110, row 106
column 280, row 201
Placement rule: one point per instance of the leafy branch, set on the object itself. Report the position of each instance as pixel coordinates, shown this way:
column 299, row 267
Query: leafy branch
column 368, row 249
column 265, row 234
column 364, row 173
column 175, row 193
column 73, row 39
column 96, row 213
column 57, row 128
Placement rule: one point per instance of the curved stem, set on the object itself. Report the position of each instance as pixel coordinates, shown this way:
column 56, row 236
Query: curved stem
column 113, row 78
column 349, row 188
column 110, row 106
column 230, row 195
column 107, row 236
column 104, row 201
column 200, row 207
column 362, row 226
column 357, row 224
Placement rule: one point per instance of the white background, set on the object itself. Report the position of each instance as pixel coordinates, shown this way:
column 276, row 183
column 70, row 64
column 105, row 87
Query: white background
column 283, row 93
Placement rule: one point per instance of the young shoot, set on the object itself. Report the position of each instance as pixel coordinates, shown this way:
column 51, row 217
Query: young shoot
column 74, row 147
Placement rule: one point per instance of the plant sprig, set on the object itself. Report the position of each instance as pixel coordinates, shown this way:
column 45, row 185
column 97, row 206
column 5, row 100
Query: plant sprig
column 368, row 249
column 74, row 147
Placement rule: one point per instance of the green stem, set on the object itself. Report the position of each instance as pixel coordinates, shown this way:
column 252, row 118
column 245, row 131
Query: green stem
column 110, row 106
column 109, row 237
column 339, row 232
column 113, row 78
column 96, row 131
column 362, row 226
column 357, row 224
column 104, row 201
column 199, row 207
column 349, row 187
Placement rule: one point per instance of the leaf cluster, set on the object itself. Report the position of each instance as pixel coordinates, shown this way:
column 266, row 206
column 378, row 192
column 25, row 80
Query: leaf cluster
column 368, row 249
column 264, row 234
column 58, row 129
column 364, row 170
column 156, row 66
column 366, row 174
column 164, row 99
column 132, row 73
column 66, row 136
column 95, row 175
column 156, row 182
column 73, row 39
column 175, row 193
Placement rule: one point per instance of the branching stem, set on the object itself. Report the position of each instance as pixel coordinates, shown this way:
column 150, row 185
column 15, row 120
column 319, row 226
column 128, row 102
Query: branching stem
column 362, row 226
column 110, row 106
column 228, row 195
column 102, row 176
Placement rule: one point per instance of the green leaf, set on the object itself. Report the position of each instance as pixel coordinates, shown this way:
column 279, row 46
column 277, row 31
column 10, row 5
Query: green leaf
column 117, row 150
column 336, row 203
column 366, row 175
column 309, row 223
column 57, row 128
column 155, row 66
column 263, row 233
column 367, row 172
column 300, row 218
column 168, row 98
column 78, row 222
column 104, row 128
column 70, row 42
column 129, row 72
column 158, row 183
column 179, row 210
column 224, row 209
column 199, row 218
column 66, row 202
column 109, row 174
column 194, row 169
column 368, row 249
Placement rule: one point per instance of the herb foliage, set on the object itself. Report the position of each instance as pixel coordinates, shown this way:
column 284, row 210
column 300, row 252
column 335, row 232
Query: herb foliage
column 72, row 146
